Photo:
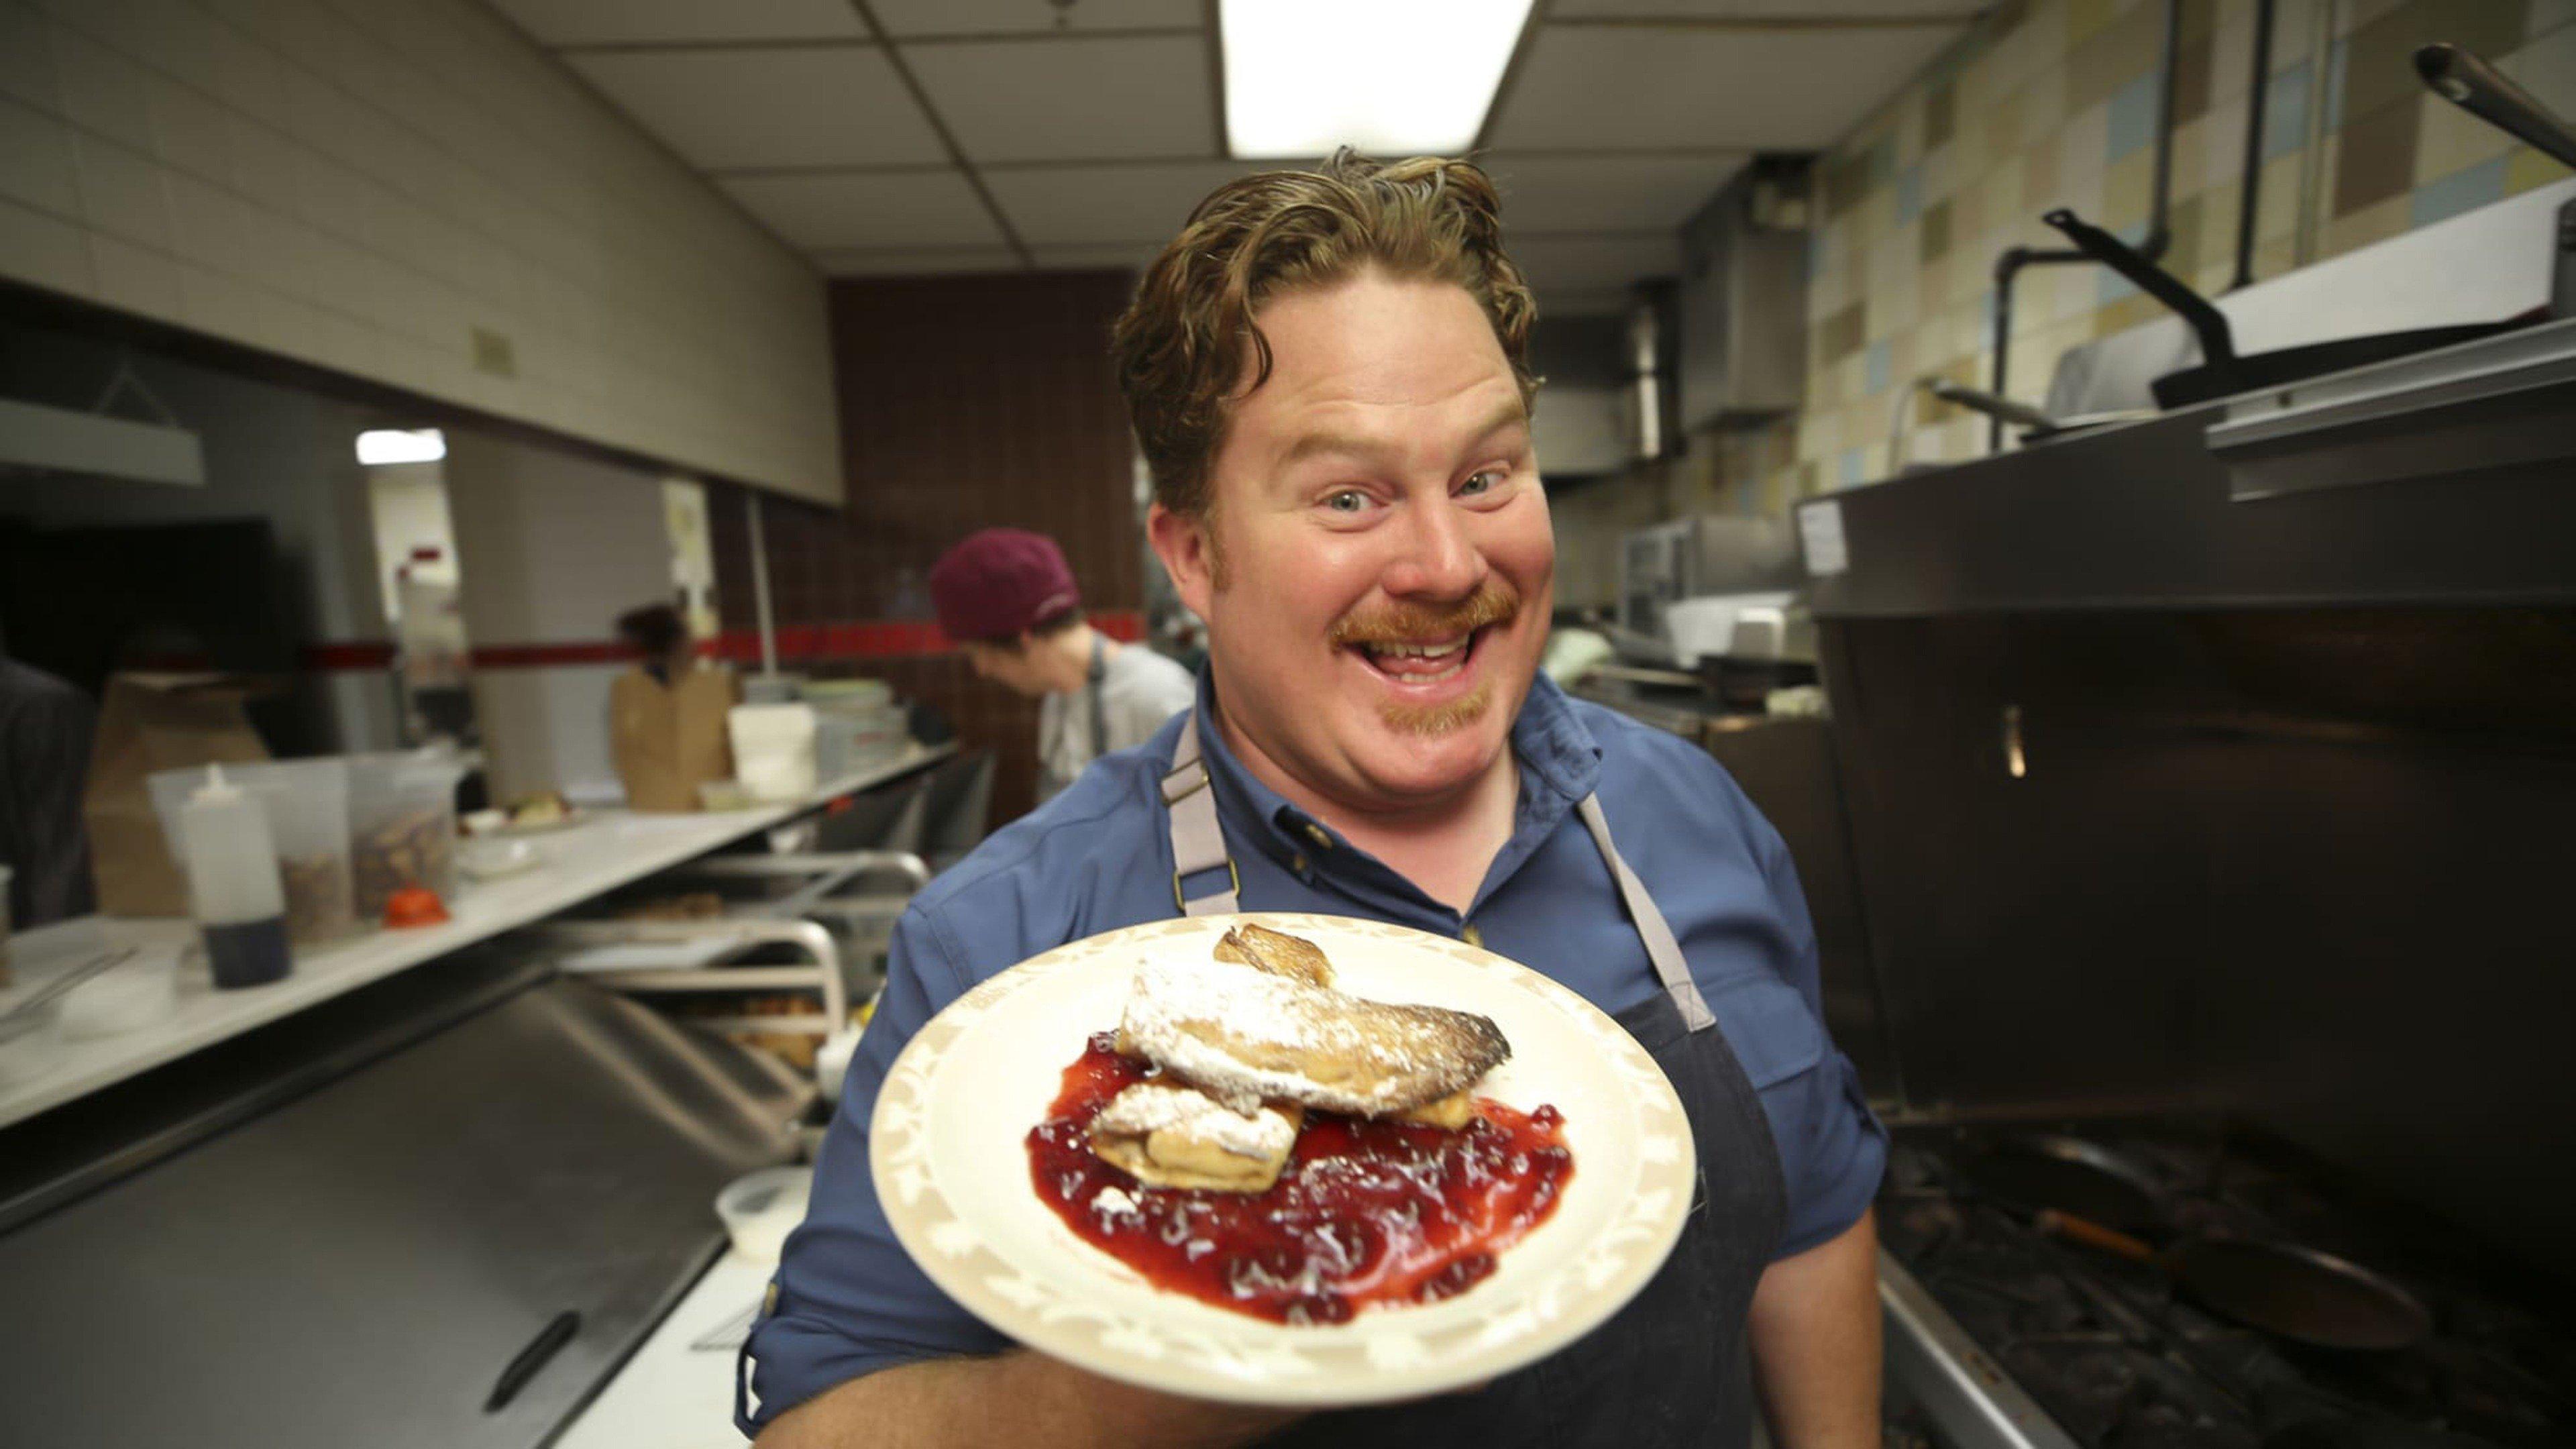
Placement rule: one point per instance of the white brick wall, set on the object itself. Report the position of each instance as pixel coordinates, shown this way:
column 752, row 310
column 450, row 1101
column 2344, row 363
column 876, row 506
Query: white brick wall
column 361, row 183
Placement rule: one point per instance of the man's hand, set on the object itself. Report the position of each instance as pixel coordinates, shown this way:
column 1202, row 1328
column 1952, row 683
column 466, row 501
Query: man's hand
column 1016, row 1398
column 1815, row 1329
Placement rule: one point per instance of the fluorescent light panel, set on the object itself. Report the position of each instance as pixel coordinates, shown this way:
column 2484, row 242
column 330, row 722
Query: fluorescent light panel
column 1391, row 77
column 396, row 445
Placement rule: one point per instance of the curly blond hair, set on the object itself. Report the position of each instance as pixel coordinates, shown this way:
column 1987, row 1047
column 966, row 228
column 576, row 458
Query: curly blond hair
column 1179, row 347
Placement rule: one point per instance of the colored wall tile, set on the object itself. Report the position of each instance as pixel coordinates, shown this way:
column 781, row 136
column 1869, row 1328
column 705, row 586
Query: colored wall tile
column 2525, row 168
column 2377, row 159
column 2374, row 223
column 1881, row 361
column 2285, row 110
column 1940, row 115
column 1909, row 194
column 1841, row 332
column 1934, row 238
column 2130, row 123
column 2462, row 190
column 2448, row 139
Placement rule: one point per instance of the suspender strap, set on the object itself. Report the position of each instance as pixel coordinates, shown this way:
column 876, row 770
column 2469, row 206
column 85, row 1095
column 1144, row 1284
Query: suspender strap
column 1198, row 840
column 1666, row 952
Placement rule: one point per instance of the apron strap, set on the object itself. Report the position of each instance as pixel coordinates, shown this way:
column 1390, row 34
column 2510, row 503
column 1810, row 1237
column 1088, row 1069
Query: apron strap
column 1198, row 840
column 1099, row 704
column 1670, row 967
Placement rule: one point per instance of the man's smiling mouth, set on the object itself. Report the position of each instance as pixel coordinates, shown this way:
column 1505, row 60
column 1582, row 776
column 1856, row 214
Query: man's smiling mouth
column 1421, row 662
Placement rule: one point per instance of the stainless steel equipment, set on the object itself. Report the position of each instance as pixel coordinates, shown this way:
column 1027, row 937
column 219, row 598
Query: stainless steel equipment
column 2212, row 771
column 436, row 1212
column 1702, row 554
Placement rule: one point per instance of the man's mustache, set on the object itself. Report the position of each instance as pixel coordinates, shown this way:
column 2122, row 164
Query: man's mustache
column 1494, row 602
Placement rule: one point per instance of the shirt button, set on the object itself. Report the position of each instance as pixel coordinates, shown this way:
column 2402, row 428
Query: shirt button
column 1323, row 839
column 1472, row 937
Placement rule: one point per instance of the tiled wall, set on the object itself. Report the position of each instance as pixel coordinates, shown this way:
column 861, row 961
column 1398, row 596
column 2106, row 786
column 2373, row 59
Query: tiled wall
column 966, row 402
column 364, row 184
column 2052, row 103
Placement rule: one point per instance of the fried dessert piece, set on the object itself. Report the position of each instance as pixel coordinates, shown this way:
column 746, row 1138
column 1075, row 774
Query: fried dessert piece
column 1174, row 1136
column 1276, row 952
column 1448, row 1114
column 1245, row 1038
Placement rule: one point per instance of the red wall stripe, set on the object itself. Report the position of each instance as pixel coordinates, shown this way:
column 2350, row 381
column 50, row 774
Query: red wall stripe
column 802, row 643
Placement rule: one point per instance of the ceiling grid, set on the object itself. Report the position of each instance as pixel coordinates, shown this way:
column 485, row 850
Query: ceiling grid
column 895, row 136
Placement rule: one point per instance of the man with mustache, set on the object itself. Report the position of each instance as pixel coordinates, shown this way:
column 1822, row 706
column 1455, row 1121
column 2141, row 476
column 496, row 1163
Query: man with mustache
column 1325, row 370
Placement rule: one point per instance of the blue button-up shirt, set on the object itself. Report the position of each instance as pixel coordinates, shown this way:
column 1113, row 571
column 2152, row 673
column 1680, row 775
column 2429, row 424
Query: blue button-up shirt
column 1099, row 856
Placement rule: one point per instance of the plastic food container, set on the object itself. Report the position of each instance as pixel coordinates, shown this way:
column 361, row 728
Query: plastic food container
column 773, row 749
column 761, row 1209
column 402, row 826
column 307, row 803
column 136, row 994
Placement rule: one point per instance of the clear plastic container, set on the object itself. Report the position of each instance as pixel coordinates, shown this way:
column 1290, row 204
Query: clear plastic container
column 308, row 821
column 402, row 826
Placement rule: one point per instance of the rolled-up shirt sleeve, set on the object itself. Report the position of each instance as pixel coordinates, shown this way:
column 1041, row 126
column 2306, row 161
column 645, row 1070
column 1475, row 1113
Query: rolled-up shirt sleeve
column 1833, row 1149
column 848, row 1301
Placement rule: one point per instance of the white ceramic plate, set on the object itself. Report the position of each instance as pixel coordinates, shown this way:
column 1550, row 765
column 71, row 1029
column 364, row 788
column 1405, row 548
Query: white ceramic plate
column 947, row 1146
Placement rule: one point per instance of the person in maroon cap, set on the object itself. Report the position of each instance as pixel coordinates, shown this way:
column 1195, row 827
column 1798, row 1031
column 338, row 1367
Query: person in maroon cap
column 1008, row 599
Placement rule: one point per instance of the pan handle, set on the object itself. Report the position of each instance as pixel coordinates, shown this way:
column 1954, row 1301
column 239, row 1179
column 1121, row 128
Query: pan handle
column 2217, row 340
column 2092, row 1235
column 2467, row 81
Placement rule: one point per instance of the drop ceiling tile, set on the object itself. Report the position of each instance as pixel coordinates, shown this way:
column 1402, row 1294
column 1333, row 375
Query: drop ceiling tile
column 1616, row 87
column 614, row 22
column 869, row 209
column 1094, row 205
column 1605, row 193
column 816, row 106
column 1809, row 10
column 915, row 261
column 1105, row 257
column 1566, row 302
column 987, row 17
column 1072, row 99
column 1558, row 266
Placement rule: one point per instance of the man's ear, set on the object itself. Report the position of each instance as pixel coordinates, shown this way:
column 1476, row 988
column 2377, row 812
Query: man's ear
column 1188, row 555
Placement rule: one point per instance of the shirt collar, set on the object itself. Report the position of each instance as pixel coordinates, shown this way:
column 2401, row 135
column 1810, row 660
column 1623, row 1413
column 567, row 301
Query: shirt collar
column 1560, row 763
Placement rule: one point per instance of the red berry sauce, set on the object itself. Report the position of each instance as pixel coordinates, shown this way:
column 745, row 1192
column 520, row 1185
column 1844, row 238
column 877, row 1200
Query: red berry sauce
column 1365, row 1212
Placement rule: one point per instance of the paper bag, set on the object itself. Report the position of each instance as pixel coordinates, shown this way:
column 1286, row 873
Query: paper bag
column 668, row 739
column 148, row 723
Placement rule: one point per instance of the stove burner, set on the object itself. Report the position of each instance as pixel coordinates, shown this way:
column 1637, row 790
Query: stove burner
column 2111, row 1352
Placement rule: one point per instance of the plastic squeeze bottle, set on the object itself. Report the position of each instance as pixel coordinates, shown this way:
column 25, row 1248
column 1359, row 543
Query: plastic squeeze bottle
column 233, row 882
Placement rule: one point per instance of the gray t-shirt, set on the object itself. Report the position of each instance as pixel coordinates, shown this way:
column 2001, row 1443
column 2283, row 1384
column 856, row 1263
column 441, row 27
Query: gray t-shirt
column 1139, row 689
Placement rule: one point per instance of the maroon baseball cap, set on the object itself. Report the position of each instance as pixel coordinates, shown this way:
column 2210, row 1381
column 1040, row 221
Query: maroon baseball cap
column 999, row 583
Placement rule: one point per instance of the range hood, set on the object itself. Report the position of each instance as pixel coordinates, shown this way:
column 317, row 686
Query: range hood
column 46, row 439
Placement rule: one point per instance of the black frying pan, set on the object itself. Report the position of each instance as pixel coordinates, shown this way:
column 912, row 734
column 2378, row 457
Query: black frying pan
column 2289, row 1291
column 2044, row 1171
column 2222, row 370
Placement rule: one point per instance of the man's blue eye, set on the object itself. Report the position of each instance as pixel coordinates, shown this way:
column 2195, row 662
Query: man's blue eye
column 1346, row 501
column 1480, row 482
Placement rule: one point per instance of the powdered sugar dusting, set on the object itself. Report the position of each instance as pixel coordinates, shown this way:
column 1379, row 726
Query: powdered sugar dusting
column 1245, row 1037
column 1149, row 1107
